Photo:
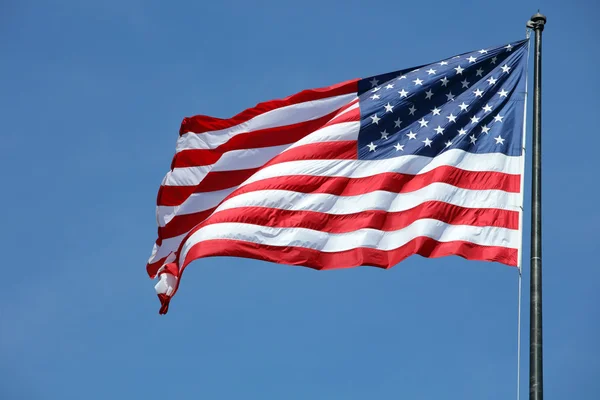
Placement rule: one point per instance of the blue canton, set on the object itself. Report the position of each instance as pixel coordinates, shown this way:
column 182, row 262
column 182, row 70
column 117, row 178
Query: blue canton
column 473, row 101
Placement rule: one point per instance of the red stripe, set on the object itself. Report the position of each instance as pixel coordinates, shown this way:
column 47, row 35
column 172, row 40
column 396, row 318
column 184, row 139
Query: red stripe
column 214, row 180
column 374, row 219
column 339, row 223
column 388, row 181
column 360, row 256
column 276, row 136
column 315, row 259
column 181, row 224
column 301, row 256
column 347, row 106
column 340, row 150
column 349, row 116
column 203, row 123
column 152, row 268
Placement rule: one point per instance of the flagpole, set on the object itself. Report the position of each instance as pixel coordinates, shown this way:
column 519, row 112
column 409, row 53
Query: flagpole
column 536, row 391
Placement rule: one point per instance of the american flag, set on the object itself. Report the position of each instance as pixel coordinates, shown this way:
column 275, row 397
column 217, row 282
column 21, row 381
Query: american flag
column 426, row 160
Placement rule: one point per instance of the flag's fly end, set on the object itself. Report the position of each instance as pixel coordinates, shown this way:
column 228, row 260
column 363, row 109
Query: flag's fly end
column 165, row 289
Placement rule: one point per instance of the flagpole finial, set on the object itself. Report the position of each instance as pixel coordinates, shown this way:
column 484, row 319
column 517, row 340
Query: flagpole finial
column 537, row 21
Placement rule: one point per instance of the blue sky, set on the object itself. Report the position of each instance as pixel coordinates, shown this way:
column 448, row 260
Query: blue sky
column 92, row 95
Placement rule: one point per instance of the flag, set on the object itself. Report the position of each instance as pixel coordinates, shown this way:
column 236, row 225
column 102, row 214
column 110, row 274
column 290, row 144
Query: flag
column 425, row 160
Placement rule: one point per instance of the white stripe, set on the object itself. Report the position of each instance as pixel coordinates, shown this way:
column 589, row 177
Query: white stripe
column 410, row 164
column 344, row 111
column 153, row 255
column 367, row 237
column 332, row 133
column 232, row 160
column 168, row 253
column 167, row 247
column 248, row 158
column 283, row 116
column 376, row 200
column 166, row 284
column 195, row 203
column 186, row 176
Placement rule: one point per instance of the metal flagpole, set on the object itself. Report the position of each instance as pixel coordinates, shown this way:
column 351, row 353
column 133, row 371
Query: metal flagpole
column 536, row 390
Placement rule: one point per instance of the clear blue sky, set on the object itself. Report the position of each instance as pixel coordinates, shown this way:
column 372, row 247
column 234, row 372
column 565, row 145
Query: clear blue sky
column 91, row 98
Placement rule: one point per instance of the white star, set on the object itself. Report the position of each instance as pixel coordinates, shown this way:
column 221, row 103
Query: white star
column 422, row 122
column 375, row 89
column 375, row 96
column 448, row 144
column 485, row 129
column 443, row 63
column 494, row 60
column 403, row 93
column 418, row 81
column 388, row 107
column 471, row 59
column 459, row 70
column 411, row 135
column 439, row 130
column 415, row 70
column 374, row 82
column 375, row 119
column 487, row 108
column 499, row 140
column 478, row 93
column 492, row 81
column 412, row 110
column 389, row 86
column 506, row 68
column 473, row 138
column 462, row 131
column 450, row 97
column 397, row 123
column 431, row 71
column 436, row 111
column 503, row 93
column 372, row 146
column 428, row 94
column 508, row 47
column 465, row 84
column 479, row 72
column 384, row 135
column 451, row 118
column 482, row 51
column 427, row 142
column 498, row 118
column 401, row 77
column 474, row 120
column 463, row 106
column 444, row 81
column 399, row 147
